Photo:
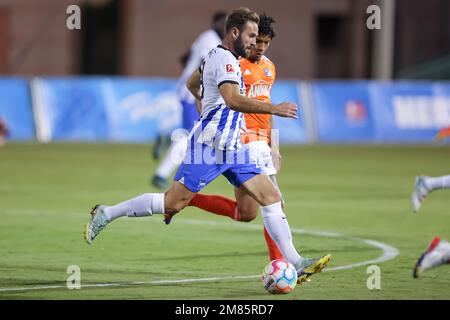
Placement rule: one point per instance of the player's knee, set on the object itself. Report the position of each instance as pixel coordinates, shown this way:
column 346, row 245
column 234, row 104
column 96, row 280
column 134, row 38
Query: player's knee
column 174, row 208
column 247, row 216
column 172, row 205
column 271, row 197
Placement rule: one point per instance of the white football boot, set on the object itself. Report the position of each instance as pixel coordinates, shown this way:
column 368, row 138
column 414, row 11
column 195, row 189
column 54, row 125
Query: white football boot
column 420, row 192
column 98, row 222
column 438, row 253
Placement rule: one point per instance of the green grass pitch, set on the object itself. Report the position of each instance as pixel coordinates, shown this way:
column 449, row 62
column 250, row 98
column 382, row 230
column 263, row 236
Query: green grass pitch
column 46, row 192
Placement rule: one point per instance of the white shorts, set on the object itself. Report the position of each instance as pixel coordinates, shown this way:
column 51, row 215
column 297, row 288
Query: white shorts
column 260, row 153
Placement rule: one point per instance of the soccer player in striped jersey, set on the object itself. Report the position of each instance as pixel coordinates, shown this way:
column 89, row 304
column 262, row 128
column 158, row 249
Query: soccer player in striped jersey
column 215, row 148
column 259, row 76
column 206, row 41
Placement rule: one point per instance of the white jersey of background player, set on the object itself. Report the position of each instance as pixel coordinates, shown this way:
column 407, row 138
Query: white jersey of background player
column 199, row 49
column 206, row 41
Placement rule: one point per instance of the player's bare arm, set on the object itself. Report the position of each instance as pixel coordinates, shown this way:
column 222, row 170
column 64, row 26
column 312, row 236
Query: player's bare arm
column 233, row 99
column 198, row 105
column 193, row 84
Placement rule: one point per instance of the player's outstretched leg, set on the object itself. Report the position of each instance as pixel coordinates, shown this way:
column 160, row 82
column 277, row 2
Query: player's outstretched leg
column 244, row 208
column 424, row 185
column 147, row 204
column 438, row 253
column 140, row 206
column 262, row 190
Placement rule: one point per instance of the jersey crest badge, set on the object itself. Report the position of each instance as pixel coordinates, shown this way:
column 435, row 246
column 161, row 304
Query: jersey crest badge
column 229, row 68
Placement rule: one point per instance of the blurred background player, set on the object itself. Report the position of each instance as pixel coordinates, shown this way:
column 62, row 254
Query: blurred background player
column 3, row 132
column 206, row 41
column 163, row 139
column 259, row 76
column 437, row 254
column 424, row 185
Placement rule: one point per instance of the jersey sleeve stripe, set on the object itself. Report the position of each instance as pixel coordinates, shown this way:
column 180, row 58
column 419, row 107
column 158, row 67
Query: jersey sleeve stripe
column 227, row 81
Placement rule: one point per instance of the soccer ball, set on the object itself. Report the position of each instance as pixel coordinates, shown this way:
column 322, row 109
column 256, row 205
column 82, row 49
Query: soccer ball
column 279, row 276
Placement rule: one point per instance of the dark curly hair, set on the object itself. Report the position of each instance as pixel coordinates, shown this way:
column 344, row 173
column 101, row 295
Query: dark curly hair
column 265, row 26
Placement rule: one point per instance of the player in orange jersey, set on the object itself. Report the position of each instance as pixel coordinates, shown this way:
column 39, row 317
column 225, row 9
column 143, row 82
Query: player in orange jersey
column 259, row 76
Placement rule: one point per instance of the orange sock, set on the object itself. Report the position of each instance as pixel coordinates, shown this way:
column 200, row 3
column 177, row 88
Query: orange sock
column 216, row 204
column 274, row 252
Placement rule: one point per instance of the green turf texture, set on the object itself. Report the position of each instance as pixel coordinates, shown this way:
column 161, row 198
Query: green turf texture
column 46, row 192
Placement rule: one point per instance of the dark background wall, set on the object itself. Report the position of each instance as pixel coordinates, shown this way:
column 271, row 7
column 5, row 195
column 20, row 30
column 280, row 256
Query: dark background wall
column 315, row 38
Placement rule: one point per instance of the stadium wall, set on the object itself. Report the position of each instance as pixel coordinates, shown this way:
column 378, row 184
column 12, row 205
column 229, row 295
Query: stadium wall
column 121, row 109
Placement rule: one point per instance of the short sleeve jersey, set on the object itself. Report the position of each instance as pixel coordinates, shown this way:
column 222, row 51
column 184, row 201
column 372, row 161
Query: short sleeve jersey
column 259, row 78
column 219, row 126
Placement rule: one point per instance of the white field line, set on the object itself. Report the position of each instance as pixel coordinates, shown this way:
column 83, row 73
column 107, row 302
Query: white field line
column 388, row 253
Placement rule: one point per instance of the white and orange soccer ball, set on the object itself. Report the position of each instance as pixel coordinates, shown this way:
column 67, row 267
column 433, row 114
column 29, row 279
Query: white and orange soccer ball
column 279, row 276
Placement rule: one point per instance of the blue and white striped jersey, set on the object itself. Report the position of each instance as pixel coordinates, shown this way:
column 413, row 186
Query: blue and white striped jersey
column 219, row 126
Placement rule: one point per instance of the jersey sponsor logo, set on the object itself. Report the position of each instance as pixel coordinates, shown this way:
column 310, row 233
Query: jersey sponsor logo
column 229, row 68
column 258, row 89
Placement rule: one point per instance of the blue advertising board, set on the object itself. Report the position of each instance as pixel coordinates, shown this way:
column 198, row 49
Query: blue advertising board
column 15, row 108
column 130, row 109
column 108, row 109
column 409, row 111
column 381, row 112
column 119, row 109
column 290, row 131
column 343, row 111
